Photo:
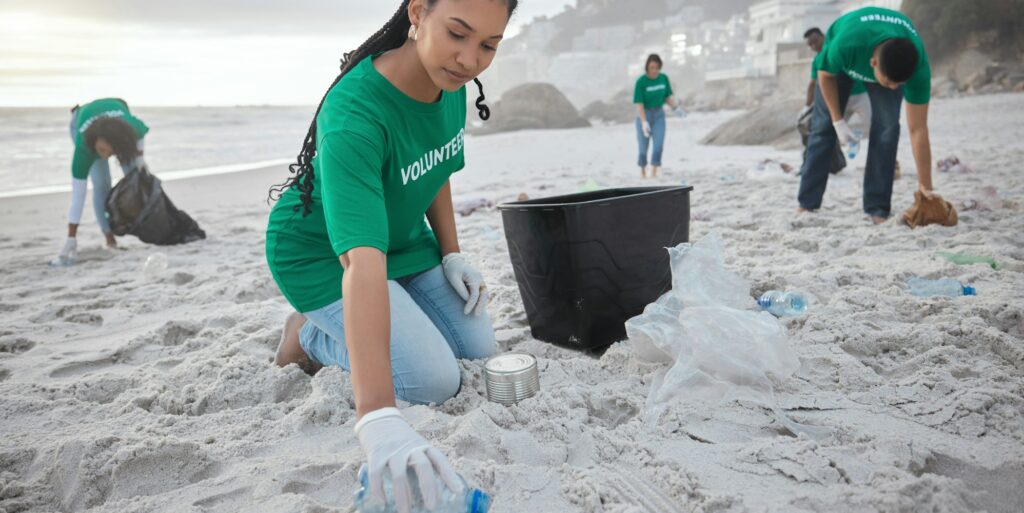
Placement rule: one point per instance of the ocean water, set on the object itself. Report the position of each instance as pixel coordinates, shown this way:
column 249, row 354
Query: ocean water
column 36, row 147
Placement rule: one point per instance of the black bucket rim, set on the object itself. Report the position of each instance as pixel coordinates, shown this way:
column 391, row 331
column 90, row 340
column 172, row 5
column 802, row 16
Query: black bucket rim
column 559, row 201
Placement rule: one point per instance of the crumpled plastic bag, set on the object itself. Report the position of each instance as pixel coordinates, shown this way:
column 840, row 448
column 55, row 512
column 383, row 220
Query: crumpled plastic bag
column 717, row 346
column 952, row 164
column 770, row 169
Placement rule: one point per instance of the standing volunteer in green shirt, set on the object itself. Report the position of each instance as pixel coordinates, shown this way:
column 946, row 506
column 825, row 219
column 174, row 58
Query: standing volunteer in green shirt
column 378, row 289
column 99, row 129
column 881, row 48
column 650, row 94
column 858, row 104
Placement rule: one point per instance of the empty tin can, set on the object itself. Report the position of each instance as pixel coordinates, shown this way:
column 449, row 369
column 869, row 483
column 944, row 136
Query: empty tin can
column 511, row 378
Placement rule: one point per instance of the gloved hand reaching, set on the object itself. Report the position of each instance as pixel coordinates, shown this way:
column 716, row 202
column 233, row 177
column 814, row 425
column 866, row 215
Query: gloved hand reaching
column 467, row 282
column 392, row 445
column 843, row 132
column 68, row 254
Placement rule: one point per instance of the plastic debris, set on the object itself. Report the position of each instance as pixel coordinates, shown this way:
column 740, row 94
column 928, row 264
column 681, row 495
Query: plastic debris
column 952, row 164
column 590, row 186
column 968, row 259
column 717, row 346
column 466, row 206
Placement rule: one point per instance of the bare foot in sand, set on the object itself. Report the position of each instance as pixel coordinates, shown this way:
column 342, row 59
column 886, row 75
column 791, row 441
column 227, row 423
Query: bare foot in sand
column 654, row 171
column 878, row 220
column 802, row 210
column 643, row 172
column 290, row 351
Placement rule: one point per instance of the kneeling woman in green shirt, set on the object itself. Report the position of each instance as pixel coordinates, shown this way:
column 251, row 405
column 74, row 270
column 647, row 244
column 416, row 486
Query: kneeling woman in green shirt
column 380, row 292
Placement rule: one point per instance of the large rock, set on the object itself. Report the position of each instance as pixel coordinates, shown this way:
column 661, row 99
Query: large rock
column 773, row 125
column 965, row 66
column 532, row 106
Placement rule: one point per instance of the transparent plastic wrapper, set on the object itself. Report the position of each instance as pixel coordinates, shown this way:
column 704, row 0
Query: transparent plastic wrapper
column 718, row 347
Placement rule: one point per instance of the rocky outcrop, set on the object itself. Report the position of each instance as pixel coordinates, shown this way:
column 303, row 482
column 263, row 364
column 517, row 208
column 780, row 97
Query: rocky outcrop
column 773, row 125
column 536, row 106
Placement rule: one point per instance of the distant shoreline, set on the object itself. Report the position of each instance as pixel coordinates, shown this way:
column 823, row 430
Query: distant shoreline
column 169, row 176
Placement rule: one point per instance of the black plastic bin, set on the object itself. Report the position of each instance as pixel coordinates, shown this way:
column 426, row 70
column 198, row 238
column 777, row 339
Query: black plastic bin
column 585, row 263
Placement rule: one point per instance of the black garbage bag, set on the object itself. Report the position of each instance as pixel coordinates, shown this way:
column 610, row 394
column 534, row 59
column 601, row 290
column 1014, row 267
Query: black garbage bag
column 138, row 206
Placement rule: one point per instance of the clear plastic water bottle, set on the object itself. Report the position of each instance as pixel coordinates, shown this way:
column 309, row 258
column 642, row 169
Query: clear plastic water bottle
column 782, row 304
column 471, row 500
column 854, row 146
column 944, row 287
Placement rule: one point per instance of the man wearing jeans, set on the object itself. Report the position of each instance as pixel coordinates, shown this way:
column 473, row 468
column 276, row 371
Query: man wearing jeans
column 880, row 48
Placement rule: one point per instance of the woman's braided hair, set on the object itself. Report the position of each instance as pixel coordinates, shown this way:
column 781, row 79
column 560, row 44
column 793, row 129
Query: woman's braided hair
column 118, row 133
column 391, row 36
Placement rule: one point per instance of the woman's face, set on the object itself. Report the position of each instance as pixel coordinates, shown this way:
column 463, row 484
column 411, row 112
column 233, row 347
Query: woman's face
column 103, row 148
column 457, row 39
column 653, row 68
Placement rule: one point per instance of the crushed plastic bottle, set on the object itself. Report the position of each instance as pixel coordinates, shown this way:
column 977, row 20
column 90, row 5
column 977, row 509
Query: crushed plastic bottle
column 783, row 304
column 944, row 287
column 155, row 265
column 853, row 147
column 966, row 259
column 470, row 500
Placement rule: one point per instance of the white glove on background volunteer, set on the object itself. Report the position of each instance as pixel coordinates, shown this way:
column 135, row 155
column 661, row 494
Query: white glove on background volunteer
column 467, row 282
column 646, row 127
column 392, row 445
column 68, row 254
column 843, row 132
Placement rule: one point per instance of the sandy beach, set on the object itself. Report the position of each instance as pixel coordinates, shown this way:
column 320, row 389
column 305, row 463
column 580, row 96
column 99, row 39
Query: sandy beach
column 126, row 393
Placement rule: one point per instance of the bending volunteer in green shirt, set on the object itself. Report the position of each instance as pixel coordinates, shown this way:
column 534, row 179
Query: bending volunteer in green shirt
column 881, row 48
column 362, row 241
column 99, row 130
column 650, row 94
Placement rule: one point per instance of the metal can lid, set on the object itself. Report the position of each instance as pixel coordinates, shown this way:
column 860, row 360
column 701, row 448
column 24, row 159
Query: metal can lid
column 510, row 364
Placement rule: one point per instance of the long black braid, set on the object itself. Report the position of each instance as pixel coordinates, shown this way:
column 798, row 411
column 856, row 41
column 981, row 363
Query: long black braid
column 391, row 36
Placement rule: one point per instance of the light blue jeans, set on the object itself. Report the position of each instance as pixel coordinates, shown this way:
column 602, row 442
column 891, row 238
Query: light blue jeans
column 656, row 118
column 429, row 331
column 99, row 174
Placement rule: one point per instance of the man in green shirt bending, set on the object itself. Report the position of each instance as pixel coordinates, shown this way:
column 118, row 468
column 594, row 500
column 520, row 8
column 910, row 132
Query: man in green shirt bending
column 880, row 48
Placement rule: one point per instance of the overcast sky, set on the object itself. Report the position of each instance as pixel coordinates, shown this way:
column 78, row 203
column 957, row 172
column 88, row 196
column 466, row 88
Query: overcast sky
column 187, row 52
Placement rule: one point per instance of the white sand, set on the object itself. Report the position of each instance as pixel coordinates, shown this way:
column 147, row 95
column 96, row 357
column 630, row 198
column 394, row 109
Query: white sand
column 122, row 394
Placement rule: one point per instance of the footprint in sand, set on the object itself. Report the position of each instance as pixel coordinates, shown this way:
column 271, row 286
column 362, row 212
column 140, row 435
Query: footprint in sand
column 16, row 346
column 234, row 500
column 307, row 479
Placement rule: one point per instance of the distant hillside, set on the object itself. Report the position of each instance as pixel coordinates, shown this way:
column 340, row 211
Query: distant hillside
column 951, row 26
column 600, row 13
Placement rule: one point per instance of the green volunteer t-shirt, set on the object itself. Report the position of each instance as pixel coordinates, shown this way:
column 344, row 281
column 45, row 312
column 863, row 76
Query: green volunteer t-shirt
column 852, row 39
column 381, row 159
column 858, row 86
column 652, row 93
column 107, row 107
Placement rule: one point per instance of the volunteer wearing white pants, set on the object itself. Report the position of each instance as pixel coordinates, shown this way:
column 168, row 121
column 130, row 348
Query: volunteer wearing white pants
column 99, row 130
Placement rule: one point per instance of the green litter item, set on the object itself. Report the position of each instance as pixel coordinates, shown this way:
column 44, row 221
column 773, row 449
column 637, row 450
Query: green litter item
column 590, row 186
column 965, row 259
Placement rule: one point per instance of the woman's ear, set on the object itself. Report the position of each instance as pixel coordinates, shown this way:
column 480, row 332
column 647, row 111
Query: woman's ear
column 416, row 12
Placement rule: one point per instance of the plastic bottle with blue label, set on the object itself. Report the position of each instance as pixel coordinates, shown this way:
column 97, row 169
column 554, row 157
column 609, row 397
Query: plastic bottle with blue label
column 944, row 287
column 783, row 304
column 470, row 500
column 853, row 148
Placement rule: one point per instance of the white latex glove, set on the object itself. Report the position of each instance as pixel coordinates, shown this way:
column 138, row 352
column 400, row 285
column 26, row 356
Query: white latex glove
column 68, row 254
column 646, row 128
column 467, row 282
column 803, row 112
column 843, row 132
column 392, row 445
